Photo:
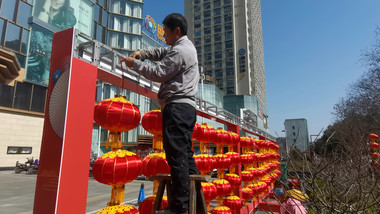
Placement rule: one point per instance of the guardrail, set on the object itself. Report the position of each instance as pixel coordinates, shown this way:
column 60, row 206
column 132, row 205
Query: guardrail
column 107, row 59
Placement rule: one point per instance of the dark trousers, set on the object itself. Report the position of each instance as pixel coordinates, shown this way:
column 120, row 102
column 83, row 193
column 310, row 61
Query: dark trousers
column 178, row 120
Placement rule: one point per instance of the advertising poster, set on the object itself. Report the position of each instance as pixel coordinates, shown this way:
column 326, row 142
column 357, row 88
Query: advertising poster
column 64, row 14
column 38, row 65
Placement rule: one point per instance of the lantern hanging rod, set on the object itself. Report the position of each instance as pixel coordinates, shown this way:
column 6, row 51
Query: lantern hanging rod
column 107, row 59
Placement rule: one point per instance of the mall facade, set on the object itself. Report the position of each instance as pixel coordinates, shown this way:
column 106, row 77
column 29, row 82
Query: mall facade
column 27, row 32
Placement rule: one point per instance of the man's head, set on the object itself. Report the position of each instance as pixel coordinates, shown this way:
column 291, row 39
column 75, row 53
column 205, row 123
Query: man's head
column 175, row 26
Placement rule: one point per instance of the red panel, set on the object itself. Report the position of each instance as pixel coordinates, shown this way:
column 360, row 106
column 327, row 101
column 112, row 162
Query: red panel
column 77, row 140
column 62, row 178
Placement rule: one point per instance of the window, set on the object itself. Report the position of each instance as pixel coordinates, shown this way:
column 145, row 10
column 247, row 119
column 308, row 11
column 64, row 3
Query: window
column 207, row 22
column 217, row 12
column 105, row 18
column 208, row 56
column 229, row 53
column 227, row 9
column 228, row 44
column 197, row 25
column 8, row 9
column 218, row 64
column 217, row 3
column 207, row 6
column 99, row 33
column 217, row 29
column 198, row 42
column 229, row 62
column 22, row 95
column 228, row 27
column 293, row 127
column 24, row 43
column 230, row 72
column 199, row 50
column 207, row 14
column 295, row 141
column 24, row 12
column 219, row 73
column 207, row 39
column 227, row 18
column 197, row 9
column 12, row 37
column 227, row 1
column 228, row 35
column 21, row 59
column 217, row 38
column 218, row 55
column 294, row 134
column 38, row 101
column 207, row 31
column 6, row 95
column 218, row 46
column 217, row 20
column 207, row 48
column 196, row 34
column 197, row 17
column 1, row 31
column 96, row 12
column 230, row 90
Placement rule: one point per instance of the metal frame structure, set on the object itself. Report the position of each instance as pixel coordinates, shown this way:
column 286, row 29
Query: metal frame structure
column 107, row 59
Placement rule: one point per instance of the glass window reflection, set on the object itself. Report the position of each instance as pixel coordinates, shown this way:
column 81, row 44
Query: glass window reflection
column 24, row 43
column 24, row 11
column 8, row 9
column 12, row 37
column 1, row 31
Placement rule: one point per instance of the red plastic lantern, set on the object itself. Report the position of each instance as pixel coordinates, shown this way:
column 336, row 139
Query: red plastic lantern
column 117, row 114
column 152, row 122
column 119, row 209
column 234, row 139
column 206, row 134
column 209, row 192
column 196, row 130
column 233, row 179
column 117, row 167
column 222, row 161
column 373, row 137
column 205, row 163
column 246, row 159
column 223, row 187
column 246, row 176
column 221, row 210
column 247, row 193
column 235, row 157
column 374, row 146
column 375, row 155
column 221, row 137
column 154, row 164
column 245, row 142
column 233, row 202
column 146, row 206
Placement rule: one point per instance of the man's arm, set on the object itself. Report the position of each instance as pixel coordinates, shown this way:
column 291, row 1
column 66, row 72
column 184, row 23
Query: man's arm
column 165, row 69
column 154, row 54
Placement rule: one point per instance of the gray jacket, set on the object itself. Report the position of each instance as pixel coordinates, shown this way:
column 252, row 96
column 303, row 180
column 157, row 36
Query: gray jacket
column 176, row 70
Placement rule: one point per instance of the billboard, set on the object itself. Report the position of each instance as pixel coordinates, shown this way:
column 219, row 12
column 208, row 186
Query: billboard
column 64, row 14
column 153, row 30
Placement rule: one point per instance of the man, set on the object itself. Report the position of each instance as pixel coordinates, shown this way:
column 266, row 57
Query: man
column 177, row 71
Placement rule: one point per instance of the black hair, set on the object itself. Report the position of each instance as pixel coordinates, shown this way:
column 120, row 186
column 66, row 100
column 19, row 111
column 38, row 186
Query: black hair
column 174, row 20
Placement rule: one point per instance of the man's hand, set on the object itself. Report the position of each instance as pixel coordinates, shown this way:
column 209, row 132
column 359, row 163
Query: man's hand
column 136, row 55
column 128, row 61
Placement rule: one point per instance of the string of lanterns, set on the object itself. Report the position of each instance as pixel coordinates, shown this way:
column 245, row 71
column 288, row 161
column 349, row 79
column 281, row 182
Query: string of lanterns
column 259, row 158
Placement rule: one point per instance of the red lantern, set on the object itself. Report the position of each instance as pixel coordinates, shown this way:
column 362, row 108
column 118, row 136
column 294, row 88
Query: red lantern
column 246, row 176
column 374, row 146
column 235, row 157
column 233, row 179
column 373, row 137
column 209, row 192
column 245, row 142
column 375, row 155
column 222, row 161
column 196, row 130
column 221, row 210
column 117, row 167
column 154, row 164
column 205, row 163
column 117, row 114
column 234, row 139
column 152, row 122
column 206, row 134
column 247, row 193
column 246, row 159
column 221, row 137
column 222, row 187
column 233, row 202
column 146, row 206
column 119, row 209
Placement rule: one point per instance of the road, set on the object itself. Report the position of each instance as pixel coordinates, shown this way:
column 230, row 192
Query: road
column 17, row 193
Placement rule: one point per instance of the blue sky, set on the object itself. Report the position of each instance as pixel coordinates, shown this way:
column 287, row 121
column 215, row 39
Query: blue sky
column 312, row 52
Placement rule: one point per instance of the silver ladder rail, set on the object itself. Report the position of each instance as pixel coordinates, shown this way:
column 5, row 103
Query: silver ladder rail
column 107, row 59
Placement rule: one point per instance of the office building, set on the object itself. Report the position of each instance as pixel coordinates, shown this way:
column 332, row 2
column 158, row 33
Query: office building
column 228, row 37
column 297, row 134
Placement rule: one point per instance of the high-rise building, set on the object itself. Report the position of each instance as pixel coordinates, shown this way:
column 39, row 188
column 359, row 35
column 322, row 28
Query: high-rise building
column 228, row 37
column 297, row 134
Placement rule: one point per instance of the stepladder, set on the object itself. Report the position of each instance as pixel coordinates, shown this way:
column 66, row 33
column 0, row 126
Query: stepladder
column 197, row 204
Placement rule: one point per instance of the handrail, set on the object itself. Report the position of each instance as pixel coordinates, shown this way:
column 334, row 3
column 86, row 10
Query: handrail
column 107, row 59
